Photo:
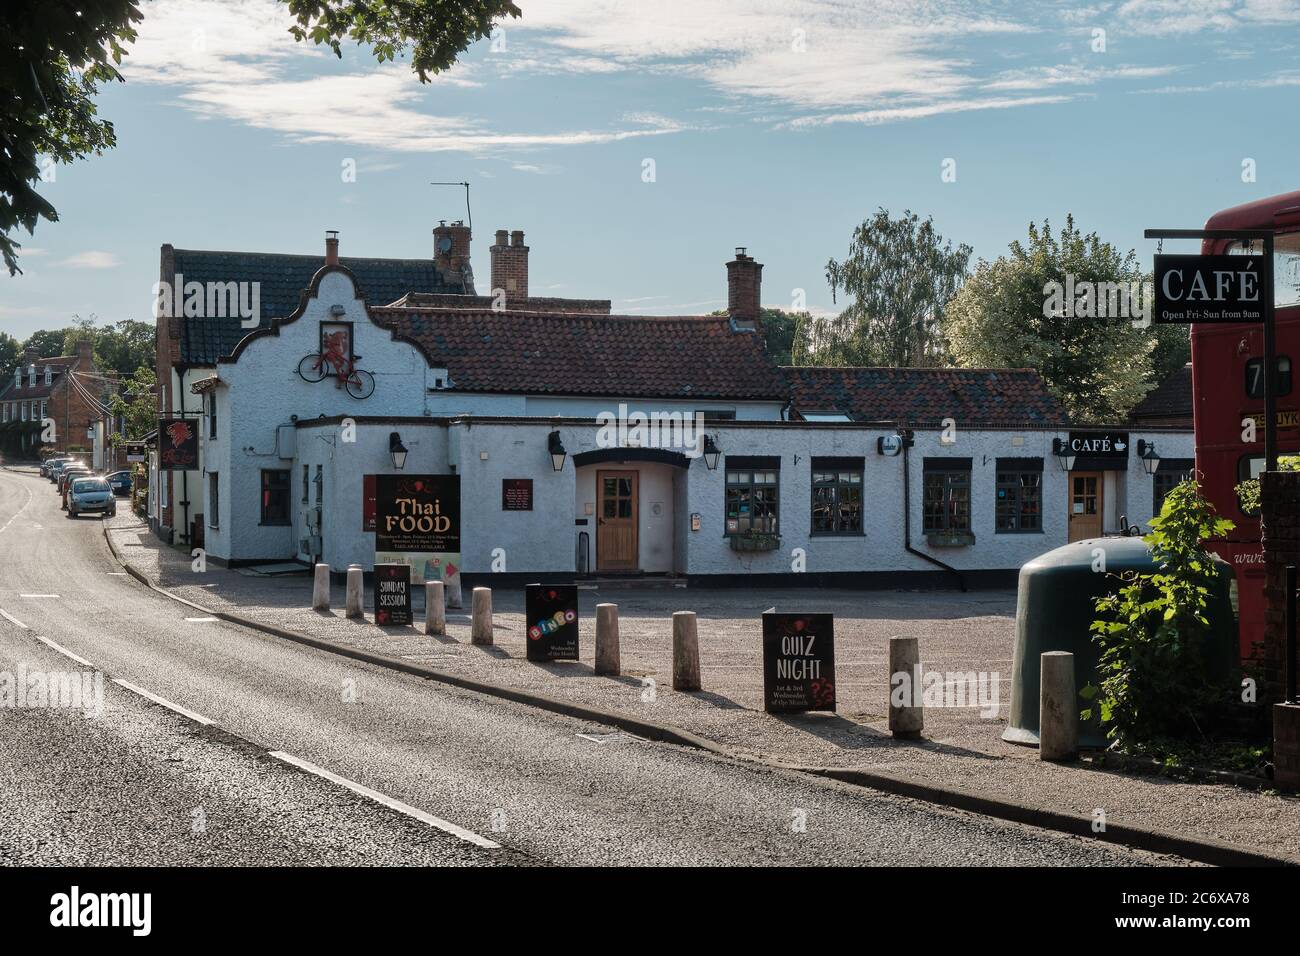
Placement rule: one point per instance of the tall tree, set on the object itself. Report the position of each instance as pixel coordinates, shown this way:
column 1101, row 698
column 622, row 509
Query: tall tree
column 9, row 352
column 899, row 273
column 47, row 343
column 55, row 53
column 1009, row 314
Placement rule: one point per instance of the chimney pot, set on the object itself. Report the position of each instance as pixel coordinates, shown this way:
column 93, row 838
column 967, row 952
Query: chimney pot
column 331, row 247
column 517, row 237
column 451, row 255
column 501, row 237
column 510, row 266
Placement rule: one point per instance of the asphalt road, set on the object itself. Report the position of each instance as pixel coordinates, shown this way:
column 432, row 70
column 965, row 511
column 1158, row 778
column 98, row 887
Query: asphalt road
column 451, row 777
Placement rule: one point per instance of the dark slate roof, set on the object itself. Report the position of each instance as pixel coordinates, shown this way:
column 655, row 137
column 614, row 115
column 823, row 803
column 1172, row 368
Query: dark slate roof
column 925, row 396
column 283, row 279
column 583, row 354
column 1168, row 402
column 40, row 390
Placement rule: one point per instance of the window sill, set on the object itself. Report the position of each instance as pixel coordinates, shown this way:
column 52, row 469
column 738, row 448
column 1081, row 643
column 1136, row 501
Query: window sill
column 1025, row 531
column 837, row 534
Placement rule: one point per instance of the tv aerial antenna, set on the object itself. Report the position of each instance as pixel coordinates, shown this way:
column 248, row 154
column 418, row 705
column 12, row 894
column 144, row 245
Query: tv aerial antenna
column 469, row 216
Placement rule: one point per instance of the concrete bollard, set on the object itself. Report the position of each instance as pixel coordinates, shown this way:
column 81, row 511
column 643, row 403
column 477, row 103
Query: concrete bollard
column 356, row 599
column 686, row 651
column 454, row 597
column 435, row 610
column 320, row 591
column 907, row 720
column 481, row 622
column 607, row 657
column 1058, row 707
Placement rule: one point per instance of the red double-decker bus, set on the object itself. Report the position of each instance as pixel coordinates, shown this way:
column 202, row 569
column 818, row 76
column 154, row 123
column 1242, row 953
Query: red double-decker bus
column 1228, row 390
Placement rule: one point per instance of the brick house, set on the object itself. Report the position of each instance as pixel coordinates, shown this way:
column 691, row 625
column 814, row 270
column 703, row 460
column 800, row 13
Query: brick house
column 65, row 389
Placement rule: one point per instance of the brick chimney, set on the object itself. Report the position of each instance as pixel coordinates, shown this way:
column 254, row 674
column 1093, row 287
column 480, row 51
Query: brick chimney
column 331, row 247
column 85, row 353
column 744, row 286
column 451, row 256
column 510, row 266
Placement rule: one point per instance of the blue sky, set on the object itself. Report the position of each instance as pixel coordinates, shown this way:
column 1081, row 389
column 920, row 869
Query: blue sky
column 774, row 125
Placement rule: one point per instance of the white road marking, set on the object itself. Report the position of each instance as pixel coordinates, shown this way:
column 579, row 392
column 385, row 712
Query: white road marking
column 11, row 619
column 163, row 702
column 410, row 811
column 38, row 595
column 200, row 620
column 65, row 652
column 14, row 516
column 116, row 574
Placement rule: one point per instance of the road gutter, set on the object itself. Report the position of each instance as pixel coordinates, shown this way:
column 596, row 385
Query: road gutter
column 1200, row 849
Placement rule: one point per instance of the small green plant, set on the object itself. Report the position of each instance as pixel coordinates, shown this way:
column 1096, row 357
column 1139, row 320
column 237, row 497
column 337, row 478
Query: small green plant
column 1156, row 675
column 1248, row 490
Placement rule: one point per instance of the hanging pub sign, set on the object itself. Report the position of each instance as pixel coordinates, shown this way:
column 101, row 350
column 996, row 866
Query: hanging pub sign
column 1212, row 288
column 1099, row 444
column 136, row 452
column 551, row 620
column 417, row 522
column 178, row 445
column 516, row 494
column 393, row 595
column 798, row 662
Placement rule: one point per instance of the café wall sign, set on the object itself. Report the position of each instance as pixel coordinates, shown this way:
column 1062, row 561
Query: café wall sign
column 1099, row 444
column 1212, row 288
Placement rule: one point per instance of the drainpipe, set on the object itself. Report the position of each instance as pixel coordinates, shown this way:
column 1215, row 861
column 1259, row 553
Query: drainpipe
column 907, row 522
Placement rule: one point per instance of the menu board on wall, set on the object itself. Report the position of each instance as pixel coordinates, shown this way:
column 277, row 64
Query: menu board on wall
column 516, row 494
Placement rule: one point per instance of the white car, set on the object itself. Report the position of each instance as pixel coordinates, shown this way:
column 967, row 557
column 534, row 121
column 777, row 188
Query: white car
column 91, row 495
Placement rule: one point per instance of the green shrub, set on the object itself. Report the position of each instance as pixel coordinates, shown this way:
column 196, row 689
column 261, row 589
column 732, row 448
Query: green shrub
column 1154, row 634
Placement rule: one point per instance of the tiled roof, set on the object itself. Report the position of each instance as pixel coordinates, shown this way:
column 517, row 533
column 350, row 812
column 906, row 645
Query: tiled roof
column 584, row 354
column 926, row 396
column 1168, row 401
column 40, row 390
column 283, row 279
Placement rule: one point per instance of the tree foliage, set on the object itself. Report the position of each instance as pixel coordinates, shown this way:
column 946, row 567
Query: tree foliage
column 899, row 274
column 137, row 402
column 54, row 54
column 1099, row 368
column 1156, row 666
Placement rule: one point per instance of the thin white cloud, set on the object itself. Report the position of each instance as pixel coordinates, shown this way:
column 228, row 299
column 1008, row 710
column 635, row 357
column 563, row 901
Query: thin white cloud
column 1073, row 74
column 91, row 259
column 895, row 114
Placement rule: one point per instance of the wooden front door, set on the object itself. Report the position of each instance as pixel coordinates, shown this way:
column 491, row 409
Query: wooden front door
column 616, row 522
column 1085, row 504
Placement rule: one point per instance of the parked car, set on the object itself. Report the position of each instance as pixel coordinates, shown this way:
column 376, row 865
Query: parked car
column 48, row 463
column 91, row 495
column 121, row 483
column 66, row 476
column 59, row 467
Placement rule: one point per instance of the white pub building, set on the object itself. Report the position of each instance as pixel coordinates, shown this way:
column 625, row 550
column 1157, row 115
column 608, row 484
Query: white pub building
column 593, row 445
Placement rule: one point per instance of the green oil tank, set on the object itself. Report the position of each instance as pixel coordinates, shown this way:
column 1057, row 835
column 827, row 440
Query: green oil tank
column 1055, row 606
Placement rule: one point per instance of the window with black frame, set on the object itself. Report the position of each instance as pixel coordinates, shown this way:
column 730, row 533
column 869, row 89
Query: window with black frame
column 946, row 496
column 837, row 496
column 752, row 495
column 1170, row 473
column 1019, row 507
column 275, row 497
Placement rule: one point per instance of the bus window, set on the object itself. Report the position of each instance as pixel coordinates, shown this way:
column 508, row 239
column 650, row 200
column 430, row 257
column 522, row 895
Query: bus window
column 1248, row 466
column 1255, row 376
column 1286, row 266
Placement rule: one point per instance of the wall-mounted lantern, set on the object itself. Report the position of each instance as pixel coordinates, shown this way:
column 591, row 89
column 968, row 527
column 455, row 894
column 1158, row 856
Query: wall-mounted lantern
column 397, row 450
column 555, row 448
column 1061, row 449
column 1147, row 454
column 711, row 453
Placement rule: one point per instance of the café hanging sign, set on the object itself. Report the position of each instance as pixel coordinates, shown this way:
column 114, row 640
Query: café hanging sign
column 417, row 522
column 1219, row 288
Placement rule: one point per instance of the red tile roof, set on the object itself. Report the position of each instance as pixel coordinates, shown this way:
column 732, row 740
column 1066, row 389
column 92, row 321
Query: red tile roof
column 584, row 354
column 926, row 396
